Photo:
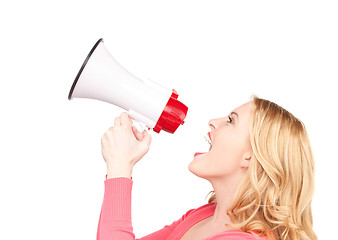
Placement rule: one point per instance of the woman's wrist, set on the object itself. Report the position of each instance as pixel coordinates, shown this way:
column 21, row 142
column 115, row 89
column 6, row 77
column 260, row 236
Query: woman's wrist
column 114, row 171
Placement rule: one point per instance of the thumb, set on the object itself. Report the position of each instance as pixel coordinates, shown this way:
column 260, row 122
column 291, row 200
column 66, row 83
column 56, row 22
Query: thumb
column 146, row 138
column 137, row 134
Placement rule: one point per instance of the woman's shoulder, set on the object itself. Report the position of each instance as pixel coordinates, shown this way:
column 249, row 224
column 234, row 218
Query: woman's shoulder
column 226, row 235
column 203, row 207
column 207, row 207
column 236, row 235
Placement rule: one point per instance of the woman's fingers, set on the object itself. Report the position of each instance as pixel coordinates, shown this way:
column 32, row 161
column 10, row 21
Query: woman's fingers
column 117, row 122
column 146, row 138
column 125, row 119
column 123, row 146
column 137, row 133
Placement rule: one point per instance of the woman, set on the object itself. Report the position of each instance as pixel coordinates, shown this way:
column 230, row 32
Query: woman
column 260, row 165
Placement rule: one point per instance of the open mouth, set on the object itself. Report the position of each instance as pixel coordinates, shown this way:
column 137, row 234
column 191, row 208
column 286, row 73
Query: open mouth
column 208, row 139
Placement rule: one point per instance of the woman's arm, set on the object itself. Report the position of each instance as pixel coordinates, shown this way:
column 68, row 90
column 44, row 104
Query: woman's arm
column 122, row 147
column 115, row 218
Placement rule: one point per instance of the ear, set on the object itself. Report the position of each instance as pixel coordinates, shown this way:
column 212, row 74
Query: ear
column 245, row 163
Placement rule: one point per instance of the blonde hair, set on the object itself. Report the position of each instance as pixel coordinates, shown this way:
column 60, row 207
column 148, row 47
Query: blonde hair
column 274, row 198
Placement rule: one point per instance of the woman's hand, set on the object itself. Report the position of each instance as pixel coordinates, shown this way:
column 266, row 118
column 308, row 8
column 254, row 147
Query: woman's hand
column 123, row 146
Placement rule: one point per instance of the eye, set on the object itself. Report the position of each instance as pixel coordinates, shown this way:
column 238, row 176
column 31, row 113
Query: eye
column 230, row 120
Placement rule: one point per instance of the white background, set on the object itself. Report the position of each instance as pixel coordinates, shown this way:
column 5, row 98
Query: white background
column 216, row 54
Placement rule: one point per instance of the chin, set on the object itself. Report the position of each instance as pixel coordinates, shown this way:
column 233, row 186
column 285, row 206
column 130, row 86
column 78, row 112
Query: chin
column 196, row 168
column 191, row 167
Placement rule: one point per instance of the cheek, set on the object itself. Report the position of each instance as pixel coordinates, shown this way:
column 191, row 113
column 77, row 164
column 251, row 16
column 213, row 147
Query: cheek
column 225, row 157
column 228, row 150
column 223, row 161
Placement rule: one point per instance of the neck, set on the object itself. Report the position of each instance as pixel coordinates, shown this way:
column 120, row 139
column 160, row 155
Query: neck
column 225, row 189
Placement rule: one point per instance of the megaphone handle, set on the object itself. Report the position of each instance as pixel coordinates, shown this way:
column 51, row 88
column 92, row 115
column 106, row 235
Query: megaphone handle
column 139, row 126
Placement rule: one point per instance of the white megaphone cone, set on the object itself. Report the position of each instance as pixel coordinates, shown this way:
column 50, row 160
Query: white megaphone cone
column 102, row 78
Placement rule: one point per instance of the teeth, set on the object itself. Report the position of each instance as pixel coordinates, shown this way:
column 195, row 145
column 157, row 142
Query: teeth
column 206, row 137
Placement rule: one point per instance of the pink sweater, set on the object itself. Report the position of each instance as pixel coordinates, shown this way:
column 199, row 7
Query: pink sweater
column 115, row 218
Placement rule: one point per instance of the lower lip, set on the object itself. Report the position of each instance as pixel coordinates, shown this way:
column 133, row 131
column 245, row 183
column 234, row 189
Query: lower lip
column 198, row 153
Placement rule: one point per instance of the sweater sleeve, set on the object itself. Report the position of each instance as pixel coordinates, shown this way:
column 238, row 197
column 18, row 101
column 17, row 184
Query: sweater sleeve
column 115, row 217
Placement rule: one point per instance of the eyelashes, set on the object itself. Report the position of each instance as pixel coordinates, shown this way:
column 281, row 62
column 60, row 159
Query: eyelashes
column 230, row 120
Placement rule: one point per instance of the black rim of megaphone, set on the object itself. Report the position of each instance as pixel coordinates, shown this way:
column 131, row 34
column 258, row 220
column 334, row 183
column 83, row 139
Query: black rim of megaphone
column 82, row 67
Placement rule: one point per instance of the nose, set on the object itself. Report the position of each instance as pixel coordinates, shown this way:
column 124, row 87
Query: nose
column 212, row 124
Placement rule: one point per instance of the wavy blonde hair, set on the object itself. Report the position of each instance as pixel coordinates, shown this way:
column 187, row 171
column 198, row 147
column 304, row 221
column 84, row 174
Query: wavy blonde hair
column 274, row 198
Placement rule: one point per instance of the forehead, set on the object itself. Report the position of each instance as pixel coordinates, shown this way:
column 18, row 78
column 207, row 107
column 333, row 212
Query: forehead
column 245, row 108
column 244, row 112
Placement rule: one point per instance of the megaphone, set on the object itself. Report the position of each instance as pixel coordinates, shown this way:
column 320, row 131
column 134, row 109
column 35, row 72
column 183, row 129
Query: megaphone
column 102, row 78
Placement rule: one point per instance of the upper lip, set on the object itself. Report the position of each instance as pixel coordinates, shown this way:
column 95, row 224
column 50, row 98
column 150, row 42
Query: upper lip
column 209, row 136
column 209, row 139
